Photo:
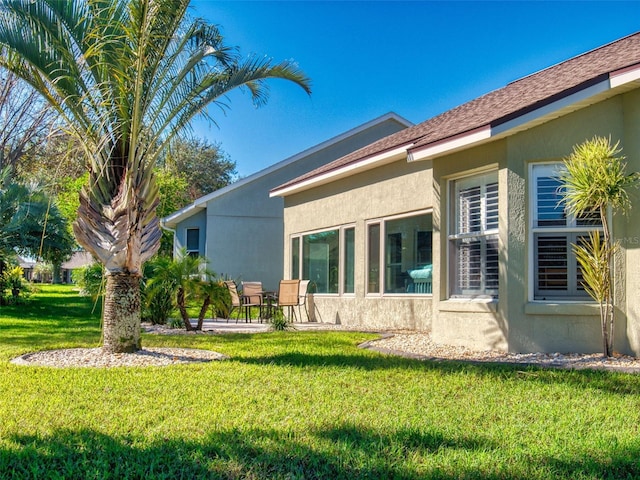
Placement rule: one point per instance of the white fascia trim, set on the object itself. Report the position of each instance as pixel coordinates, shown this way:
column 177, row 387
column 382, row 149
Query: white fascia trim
column 549, row 109
column 366, row 164
column 172, row 220
column 456, row 143
column 624, row 76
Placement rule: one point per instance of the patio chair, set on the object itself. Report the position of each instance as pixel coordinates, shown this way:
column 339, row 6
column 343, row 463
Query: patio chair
column 236, row 302
column 302, row 298
column 252, row 296
column 289, row 295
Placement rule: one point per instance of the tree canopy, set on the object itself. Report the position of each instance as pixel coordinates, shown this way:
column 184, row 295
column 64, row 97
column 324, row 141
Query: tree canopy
column 31, row 224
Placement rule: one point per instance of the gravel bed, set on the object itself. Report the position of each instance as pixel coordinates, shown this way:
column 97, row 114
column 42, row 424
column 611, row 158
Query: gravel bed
column 420, row 345
column 96, row 357
column 404, row 343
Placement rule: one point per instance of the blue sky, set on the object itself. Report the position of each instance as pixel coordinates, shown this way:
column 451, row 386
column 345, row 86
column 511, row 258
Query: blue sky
column 368, row 58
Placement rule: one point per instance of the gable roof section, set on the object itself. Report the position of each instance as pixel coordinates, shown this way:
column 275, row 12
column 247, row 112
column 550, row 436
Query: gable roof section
column 201, row 203
column 526, row 102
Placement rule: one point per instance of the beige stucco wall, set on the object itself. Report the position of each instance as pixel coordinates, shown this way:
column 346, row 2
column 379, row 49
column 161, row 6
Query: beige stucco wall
column 515, row 322
column 393, row 189
column 471, row 323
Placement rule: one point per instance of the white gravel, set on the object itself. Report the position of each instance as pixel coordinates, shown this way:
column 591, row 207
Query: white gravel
column 96, row 357
column 406, row 343
column 420, row 345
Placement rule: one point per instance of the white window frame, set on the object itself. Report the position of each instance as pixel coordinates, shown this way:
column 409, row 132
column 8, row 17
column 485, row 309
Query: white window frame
column 484, row 234
column 571, row 229
column 341, row 256
column 381, row 222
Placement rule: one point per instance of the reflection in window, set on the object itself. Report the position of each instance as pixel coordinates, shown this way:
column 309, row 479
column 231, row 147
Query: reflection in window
column 407, row 246
column 373, row 268
column 295, row 258
column 349, row 260
column 320, row 254
column 326, row 259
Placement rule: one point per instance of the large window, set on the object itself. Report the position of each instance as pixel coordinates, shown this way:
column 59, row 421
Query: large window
column 326, row 258
column 473, row 237
column 556, row 273
column 402, row 246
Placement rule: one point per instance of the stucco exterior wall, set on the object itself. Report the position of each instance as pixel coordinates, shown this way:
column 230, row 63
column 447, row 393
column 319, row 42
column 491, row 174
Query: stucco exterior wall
column 477, row 323
column 629, row 228
column 515, row 321
column 397, row 188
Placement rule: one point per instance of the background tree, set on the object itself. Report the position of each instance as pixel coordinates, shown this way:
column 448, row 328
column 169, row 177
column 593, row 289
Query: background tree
column 594, row 181
column 57, row 160
column 206, row 167
column 126, row 76
column 173, row 192
column 25, row 120
column 31, row 224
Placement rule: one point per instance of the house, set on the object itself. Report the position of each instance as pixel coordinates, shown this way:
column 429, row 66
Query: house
column 27, row 265
column 239, row 228
column 79, row 259
column 453, row 225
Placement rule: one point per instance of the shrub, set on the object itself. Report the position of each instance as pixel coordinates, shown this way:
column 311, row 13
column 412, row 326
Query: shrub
column 279, row 322
column 158, row 291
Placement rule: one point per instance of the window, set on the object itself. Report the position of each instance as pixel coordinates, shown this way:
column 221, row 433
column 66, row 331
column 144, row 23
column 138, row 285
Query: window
column 349, row 260
column 373, row 270
column 193, row 242
column 556, row 273
column 295, row 258
column 473, row 240
column 326, row 258
column 403, row 247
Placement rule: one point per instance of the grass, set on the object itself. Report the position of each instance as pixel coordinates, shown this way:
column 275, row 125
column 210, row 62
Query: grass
column 299, row 405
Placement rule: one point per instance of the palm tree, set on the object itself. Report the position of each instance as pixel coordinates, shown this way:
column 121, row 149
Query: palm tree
column 594, row 182
column 185, row 278
column 126, row 76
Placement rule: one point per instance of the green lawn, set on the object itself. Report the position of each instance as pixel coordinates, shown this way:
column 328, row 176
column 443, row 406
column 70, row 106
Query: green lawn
column 296, row 405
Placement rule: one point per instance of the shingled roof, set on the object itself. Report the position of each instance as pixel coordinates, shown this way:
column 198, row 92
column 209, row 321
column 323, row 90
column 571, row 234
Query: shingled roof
column 498, row 107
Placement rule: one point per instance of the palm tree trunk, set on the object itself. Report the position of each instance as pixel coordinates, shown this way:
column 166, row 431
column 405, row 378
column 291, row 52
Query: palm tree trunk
column 203, row 311
column 183, row 309
column 121, row 320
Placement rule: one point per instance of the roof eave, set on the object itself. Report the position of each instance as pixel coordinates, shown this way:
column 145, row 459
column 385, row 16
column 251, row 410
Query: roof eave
column 172, row 220
column 365, row 164
column 617, row 82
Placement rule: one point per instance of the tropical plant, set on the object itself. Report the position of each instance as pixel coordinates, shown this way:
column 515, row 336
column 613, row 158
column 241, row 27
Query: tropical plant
column 159, row 299
column 183, row 276
column 126, row 76
column 279, row 322
column 90, row 280
column 594, row 182
column 214, row 294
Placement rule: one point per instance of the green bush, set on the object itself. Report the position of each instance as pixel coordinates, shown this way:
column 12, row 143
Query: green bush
column 90, row 279
column 158, row 302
